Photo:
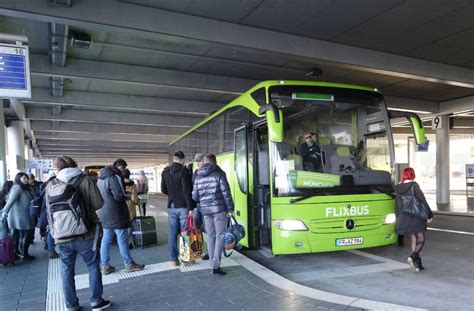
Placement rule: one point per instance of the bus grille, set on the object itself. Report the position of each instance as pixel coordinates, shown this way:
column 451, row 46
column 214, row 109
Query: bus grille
column 338, row 225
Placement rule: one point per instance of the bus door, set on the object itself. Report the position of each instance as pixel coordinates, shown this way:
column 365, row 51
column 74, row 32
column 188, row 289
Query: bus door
column 241, row 184
column 261, row 184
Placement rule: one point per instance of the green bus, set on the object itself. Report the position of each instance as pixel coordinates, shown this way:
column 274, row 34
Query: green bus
column 345, row 203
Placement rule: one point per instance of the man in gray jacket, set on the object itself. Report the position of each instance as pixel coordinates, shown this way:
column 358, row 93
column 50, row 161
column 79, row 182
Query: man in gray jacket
column 114, row 216
column 211, row 190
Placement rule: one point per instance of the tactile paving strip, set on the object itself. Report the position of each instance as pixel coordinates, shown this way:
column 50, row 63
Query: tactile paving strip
column 55, row 298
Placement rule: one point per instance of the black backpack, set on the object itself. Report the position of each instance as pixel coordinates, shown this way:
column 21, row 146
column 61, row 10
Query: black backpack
column 67, row 217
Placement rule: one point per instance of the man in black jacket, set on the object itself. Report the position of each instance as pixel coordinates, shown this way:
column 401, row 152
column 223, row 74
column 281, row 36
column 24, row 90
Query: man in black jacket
column 114, row 216
column 176, row 183
column 211, row 190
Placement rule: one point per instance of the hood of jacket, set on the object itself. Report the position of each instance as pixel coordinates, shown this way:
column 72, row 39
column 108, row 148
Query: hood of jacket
column 108, row 171
column 66, row 174
column 175, row 167
column 403, row 188
column 207, row 169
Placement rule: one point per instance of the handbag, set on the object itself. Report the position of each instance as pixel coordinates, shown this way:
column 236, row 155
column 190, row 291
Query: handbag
column 190, row 242
column 412, row 206
column 232, row 235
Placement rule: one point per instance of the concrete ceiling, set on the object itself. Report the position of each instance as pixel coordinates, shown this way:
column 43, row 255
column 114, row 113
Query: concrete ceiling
column 157, row 67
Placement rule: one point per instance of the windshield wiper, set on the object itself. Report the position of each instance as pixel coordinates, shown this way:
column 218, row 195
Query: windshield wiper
column 301, row 198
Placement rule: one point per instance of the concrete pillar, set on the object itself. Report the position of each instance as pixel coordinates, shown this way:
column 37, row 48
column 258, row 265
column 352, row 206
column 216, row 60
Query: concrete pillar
column 442, row 162
column 3, row 154
column 16, row 148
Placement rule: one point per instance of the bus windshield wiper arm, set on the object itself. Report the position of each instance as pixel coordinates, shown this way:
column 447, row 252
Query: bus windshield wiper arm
column 301, row 198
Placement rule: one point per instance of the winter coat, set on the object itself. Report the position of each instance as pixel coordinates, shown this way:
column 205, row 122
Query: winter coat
column 91, row 197
column 134, row 200
column 176, row 183
column 407, row 224
column 18, row 210
column 114, row 212
column 211, row 190
column 143, row 197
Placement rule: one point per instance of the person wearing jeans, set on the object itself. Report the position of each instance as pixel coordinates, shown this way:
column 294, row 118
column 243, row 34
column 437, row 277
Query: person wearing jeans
column 84, row 245
column 114, row 216
column 176, row 183
column 122, row 242
column 176, row 221
column 68, row 252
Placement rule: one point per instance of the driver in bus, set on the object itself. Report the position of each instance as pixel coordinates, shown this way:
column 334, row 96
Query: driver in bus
column 311, row 153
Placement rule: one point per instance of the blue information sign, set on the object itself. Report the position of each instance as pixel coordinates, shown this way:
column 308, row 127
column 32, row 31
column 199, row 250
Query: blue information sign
column 14, row 71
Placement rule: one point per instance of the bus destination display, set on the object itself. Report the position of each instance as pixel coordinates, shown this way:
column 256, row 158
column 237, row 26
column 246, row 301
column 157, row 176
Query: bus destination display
column 14, row 71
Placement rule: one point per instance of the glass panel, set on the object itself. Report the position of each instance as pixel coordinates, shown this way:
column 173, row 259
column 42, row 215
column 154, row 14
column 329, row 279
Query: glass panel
column 334, row 142
column 234, row 118
column 241, row 159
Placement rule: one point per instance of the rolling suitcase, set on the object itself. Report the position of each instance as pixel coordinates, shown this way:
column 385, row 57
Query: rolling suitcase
column 7, row 255
column 144, row 231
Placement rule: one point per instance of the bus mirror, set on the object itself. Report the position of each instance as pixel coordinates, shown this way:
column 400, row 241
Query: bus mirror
column 274, row 121
column 415, row 123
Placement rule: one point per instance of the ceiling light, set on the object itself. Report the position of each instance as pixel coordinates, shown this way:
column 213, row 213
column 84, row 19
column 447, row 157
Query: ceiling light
column 410, row 110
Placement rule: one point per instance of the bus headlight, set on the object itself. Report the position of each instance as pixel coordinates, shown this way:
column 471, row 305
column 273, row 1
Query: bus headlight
column 291, row 225
column 390, row 219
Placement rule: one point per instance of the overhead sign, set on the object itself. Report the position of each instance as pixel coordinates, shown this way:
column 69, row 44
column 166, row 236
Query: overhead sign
column 437, row 123
column 40, row 164
column 14, row 71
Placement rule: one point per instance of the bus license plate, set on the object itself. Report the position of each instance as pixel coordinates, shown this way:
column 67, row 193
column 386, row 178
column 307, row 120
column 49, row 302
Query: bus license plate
column 349, row 241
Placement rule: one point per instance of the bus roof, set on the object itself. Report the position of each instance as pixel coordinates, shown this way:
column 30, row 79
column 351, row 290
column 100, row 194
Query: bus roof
column 269, row 83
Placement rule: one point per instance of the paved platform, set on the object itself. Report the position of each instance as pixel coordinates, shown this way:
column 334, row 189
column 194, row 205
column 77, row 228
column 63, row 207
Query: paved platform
column 370, row 279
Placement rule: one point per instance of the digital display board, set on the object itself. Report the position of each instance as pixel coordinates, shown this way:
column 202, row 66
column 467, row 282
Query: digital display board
column 14, row 71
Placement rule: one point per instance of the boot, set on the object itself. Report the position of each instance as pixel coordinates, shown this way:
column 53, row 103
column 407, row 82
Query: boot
column 26, row 255
column 420, row 265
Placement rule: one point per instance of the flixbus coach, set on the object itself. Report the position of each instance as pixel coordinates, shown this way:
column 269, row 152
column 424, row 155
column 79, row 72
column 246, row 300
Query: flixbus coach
column 346, row 203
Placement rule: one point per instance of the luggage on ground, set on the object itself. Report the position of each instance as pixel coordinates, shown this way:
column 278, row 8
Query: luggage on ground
column 7, row 254
column 144, row 231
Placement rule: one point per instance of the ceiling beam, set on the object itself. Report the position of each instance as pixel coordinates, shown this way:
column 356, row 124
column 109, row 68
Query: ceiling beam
column 97, row 143
column 147, row 22
column 104, row 128
column 411, row 104
column 88, row 116
column 124, row 102
column 457, row 105
column 138, row 75
column 135, row 137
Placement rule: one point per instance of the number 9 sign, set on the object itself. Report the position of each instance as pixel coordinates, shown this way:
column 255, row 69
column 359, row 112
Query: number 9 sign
column 437, row 123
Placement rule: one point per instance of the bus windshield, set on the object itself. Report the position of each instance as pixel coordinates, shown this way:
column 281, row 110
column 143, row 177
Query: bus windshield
column 335, row 141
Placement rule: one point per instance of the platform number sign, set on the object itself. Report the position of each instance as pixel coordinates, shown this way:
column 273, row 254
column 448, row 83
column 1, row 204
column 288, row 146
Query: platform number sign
column 14, row 71
column 437, row 123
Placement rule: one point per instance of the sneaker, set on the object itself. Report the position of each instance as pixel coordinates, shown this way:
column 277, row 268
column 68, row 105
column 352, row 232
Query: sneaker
column 132, row 267
column 218, row 271
column 104, row 304
column 413, row 263
column 188, row 263
column 107, row 269
column 205, row 257
column 29, row 257
column 175, row 263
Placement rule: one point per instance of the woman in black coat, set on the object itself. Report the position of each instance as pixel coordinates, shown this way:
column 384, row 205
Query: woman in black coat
column 407, row 224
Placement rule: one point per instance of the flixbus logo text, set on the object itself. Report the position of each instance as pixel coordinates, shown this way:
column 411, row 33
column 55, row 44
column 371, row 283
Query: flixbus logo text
column 355, row 210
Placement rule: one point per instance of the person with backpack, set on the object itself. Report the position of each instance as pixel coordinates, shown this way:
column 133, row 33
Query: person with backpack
column 43, row 221
column 211, row 190
column 131, row 187
column 408, row 224
column 142, row 190
column 17, row 212
column 176, row 184
column 72, row 200
column 115, row 217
